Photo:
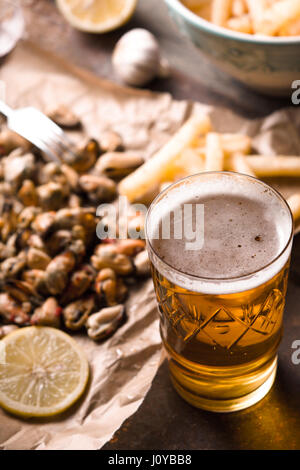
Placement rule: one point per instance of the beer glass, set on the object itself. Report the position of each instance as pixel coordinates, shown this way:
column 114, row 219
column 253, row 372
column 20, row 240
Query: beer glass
column 220, row 300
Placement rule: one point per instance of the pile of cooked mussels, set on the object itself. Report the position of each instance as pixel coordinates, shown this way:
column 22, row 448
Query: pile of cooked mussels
column 54, row 269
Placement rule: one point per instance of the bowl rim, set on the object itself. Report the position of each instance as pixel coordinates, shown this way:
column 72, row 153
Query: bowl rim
column 207, row 26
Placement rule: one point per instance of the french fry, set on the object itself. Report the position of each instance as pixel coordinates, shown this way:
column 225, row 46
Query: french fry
column 265, row 166
column 239, row 8
column 236, row 143
column 204, row 11
column 278, row 16
column 195, row 3
column 242, row 24
column 190, row 163
column 291, row 29
column 231, row 144
column 239, row 164
column 214, row 155
column 294, row 203
column 156, row 169
column 264, row 17
column 220, row 11
column 256, row 9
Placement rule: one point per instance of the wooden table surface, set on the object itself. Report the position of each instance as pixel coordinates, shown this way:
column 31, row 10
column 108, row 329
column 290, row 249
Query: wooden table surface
column 165, row 421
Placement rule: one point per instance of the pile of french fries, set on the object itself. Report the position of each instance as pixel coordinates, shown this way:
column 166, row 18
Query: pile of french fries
column 196, row 148
column 264, row 17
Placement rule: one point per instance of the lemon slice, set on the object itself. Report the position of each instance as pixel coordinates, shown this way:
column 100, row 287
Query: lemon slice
column 97, row 16
column 42, row 371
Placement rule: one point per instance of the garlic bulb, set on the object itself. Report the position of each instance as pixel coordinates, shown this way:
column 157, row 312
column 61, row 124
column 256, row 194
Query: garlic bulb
column 136, row 58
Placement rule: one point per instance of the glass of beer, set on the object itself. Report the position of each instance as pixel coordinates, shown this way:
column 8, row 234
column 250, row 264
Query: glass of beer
column 220, row 245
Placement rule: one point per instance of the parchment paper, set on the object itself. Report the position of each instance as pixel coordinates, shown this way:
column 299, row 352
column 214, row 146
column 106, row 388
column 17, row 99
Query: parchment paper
column 123, row 367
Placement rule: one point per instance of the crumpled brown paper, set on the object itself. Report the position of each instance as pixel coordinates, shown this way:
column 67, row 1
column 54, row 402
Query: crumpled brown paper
column 123, row 367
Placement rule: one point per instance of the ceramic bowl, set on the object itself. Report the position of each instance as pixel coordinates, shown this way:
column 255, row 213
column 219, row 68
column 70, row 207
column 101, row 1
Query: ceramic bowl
column 266, row 64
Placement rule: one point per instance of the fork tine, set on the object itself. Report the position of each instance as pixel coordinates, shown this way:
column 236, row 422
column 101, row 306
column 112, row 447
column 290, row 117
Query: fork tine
column 42, row 142
column 58, row 132
column 45, row 123
column 51, row 152
column 42, row 132
column 46, row 149
column 61, row 136
column 54, row 136
column 59, row 144
column 38, row 141
column 61, row 139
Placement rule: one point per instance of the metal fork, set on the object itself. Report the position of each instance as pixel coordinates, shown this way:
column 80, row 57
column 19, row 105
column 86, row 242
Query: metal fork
column 38, row 129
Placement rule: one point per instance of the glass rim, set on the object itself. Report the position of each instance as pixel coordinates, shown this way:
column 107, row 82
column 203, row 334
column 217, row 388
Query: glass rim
column 220, row 279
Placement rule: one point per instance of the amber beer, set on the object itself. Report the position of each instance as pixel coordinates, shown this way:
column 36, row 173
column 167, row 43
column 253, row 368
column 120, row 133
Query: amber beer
column 221, row 306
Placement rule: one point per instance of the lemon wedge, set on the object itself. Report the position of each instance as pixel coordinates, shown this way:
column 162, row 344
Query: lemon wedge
column 43, row 371
column 97, row 16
